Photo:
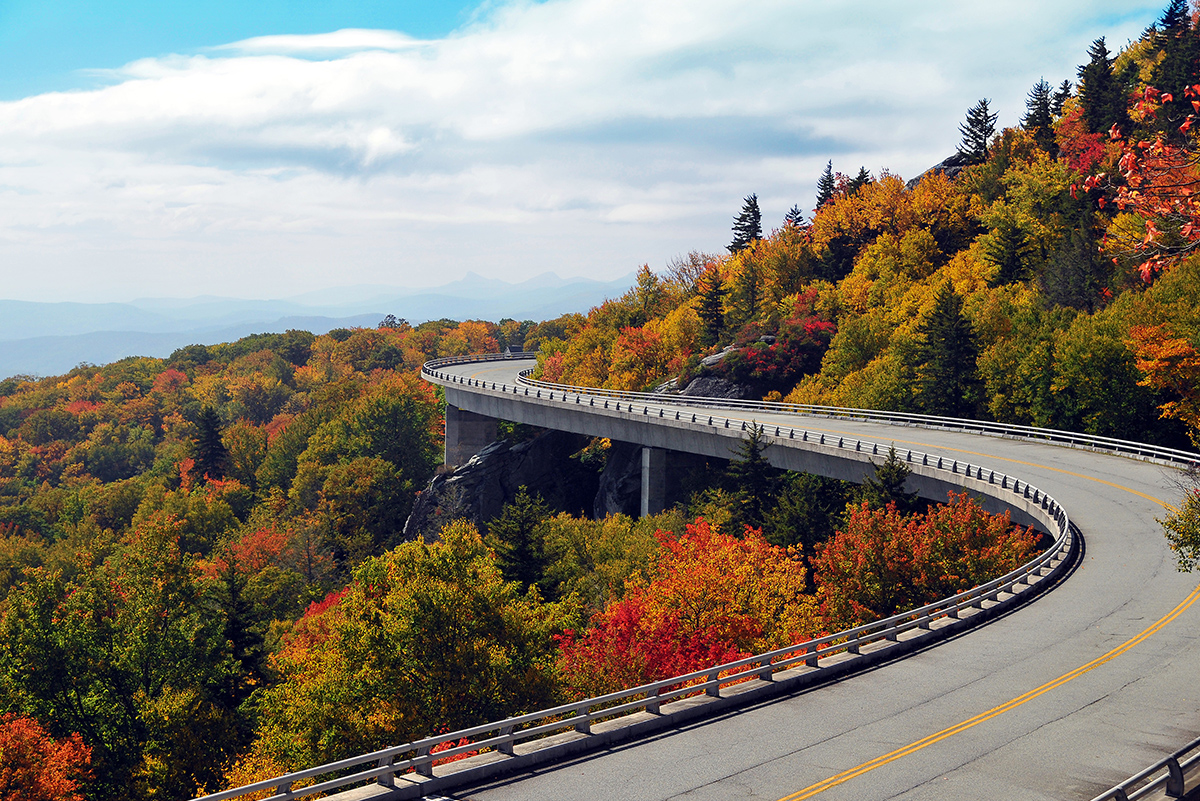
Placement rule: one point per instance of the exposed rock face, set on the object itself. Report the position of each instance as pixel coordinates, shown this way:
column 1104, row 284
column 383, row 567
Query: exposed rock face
column 479, row 489
column 949, row 167
column 712, row 387
column 620, row 490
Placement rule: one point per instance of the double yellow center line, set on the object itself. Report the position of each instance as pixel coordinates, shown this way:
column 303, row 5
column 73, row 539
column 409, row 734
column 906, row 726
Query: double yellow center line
column 845, row 776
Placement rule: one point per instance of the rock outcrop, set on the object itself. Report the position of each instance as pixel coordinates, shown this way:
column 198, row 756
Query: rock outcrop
column 479, row 489
column 713, row 387
column 949, row 167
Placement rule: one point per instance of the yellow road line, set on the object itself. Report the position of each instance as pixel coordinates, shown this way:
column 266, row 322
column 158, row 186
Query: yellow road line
column 833, row 781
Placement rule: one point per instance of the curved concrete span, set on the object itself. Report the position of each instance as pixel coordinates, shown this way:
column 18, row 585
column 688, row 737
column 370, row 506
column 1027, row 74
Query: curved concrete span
column 1059, row 699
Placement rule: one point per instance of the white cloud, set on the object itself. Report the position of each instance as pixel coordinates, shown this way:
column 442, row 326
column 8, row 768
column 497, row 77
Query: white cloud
column 582, row 136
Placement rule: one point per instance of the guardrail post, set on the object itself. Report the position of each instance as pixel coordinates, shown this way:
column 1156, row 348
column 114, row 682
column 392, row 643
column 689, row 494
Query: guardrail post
column 1174, row 778
column 652, row 702
column 852, row 646
column 424, row 768
column 713, row 689
column 507, row 746
column 584, row 725
column 767, row 673
column 283, row 789
column 811, row 660
column 385, row 779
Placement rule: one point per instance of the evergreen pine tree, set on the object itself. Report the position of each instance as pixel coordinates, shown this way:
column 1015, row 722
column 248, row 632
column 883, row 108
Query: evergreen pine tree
column 887, row 485
column 752, row 481
column 947, row 375
column 1039, row 119
column 859, row 181
column 712, row 316
column 747, row 226
column 1074, row 275
column 807, row 512
column 519, row 541
column 826, row 186
column 1176, row 69
column 1061, row 96
column 208, row 451
column 1100, row 93
column 1008, row 248
column 977, row 132
column 794, row 217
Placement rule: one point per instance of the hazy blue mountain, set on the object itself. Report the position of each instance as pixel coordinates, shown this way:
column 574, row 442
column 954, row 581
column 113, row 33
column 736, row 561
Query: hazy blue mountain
column 51, row 338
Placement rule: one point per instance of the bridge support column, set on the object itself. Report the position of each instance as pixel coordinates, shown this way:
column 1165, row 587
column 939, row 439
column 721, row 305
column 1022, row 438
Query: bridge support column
column 654, row 481
column 467, row 434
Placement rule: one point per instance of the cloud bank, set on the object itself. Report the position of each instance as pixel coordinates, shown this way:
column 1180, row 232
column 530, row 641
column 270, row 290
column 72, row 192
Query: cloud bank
column 580, row 136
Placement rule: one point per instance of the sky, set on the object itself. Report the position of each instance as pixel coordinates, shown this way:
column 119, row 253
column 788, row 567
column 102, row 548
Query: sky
column 268, row 149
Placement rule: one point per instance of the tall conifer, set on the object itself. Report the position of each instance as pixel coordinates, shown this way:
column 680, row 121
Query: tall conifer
column 747, row 226
column 1039, row 119
column 977, row 132
column 208, row 450
column 826, row 185
column 1101, row 94
column 947, row 374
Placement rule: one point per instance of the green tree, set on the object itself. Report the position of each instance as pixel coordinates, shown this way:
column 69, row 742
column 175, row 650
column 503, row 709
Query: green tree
column 808, row 509
column 887, row 485
column 132, row 656
column 427, row 637
column 519, row 540
column 794, row 217
column 826, row 186
column 1101, row 94
column 1039, row 117
column 1176, row 68
column 751, row 476
column 1074, row 275
column 858, row 181
column 1010, row 250
column 747, row 226
column 947, row 376
column 207, row 448
column 1060, row 96
column 977, row 132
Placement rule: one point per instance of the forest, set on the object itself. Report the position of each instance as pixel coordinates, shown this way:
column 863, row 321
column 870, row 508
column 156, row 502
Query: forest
column 203, row 580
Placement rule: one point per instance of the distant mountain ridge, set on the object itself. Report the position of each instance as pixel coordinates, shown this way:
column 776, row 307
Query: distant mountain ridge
column 51, row 338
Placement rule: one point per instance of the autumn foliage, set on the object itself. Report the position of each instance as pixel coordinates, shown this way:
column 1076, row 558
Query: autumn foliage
column 884, row 562
column 36, row 767
column 707, row 598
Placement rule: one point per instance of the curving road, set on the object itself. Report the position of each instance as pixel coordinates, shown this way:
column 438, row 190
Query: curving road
column 1040, row 727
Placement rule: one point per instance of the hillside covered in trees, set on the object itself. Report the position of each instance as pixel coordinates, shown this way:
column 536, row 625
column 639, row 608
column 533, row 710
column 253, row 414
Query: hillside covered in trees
column 202, row 576
column 1043, row 275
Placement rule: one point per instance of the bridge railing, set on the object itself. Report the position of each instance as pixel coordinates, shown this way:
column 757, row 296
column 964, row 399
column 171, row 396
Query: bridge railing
column 502, row 736
column 1139, row 450
column 1172, row 777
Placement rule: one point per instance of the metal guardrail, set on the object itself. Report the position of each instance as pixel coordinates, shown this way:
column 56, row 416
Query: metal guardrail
column 1169, row 776
column 1138, row 450
column 502, row 736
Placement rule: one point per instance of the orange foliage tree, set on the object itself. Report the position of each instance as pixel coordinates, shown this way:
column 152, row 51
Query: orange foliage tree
column 884, row 562
column 708, row 597
column 1170, row 363
column 1161, row 184
column 36, row 767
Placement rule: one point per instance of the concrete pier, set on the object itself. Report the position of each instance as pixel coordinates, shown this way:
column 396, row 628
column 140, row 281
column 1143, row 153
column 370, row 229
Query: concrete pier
column 467, row 433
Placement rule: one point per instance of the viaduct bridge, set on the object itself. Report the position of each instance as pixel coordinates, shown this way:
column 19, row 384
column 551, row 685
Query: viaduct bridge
column 982, row 696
